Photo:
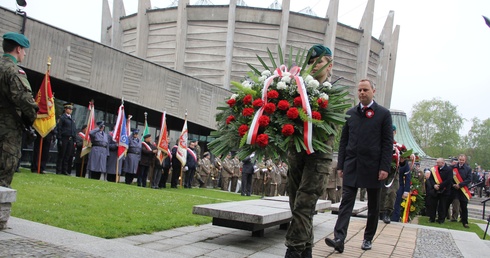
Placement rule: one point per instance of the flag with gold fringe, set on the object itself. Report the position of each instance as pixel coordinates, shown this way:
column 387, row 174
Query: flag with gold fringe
column 46, row 119
column 87, row 144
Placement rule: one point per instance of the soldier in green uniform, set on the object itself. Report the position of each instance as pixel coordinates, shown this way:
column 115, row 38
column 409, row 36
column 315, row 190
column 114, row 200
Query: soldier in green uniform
column 17, row 105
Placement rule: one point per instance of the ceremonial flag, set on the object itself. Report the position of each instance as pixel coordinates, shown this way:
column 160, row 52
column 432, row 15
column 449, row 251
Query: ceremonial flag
column 120, row 135
column 87, row 144
column 162, row 144
column 46, row 118
column 146, row 130
column 182, row 147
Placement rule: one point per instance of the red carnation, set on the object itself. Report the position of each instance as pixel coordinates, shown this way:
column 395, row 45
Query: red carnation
column 242, row 130
column 247, row 111
column 316, row 115
column 247, row 99
column 297, row 101
column 258, row 103
column 262, row 140
column 283, row 105
column 292, row 113
column 287, row 129
column 264, row 121
column 273, row 94
column 230, row 119
column 231, row 102
column 415, row 192
column 323, row 103
column 269, row 108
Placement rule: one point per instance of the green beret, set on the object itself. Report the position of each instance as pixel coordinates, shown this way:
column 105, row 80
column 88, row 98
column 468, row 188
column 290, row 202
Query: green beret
column 394, row 127
column 318, row 50
column 17, row 38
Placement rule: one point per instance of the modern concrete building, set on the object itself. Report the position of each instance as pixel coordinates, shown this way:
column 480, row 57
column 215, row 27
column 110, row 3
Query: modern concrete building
column 215, row 42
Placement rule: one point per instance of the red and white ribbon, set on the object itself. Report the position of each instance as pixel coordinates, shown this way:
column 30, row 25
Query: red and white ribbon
column 308, row 127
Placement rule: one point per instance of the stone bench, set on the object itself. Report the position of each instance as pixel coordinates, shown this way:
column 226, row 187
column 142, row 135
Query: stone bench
column 359, row 207
column 252, row 215
column 7, row 197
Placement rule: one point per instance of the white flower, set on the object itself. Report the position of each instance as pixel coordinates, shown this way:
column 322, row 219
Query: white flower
column 266, row 73
column 324, row 96
column 313, row 84
column 308, row 78
column 247, row 84
column 328, row 85
column 281, row 86
column 286, row 79
column 286, row 74
column 262, row 78
column 234, row 96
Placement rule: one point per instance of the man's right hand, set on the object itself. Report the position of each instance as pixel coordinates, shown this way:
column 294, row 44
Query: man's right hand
column 340, row 172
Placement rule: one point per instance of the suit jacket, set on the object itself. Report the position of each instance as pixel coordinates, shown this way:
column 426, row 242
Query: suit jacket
column 366, row 146
column 446, row 173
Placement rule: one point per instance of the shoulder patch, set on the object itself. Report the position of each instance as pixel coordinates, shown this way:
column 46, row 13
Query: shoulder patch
column 22, row 71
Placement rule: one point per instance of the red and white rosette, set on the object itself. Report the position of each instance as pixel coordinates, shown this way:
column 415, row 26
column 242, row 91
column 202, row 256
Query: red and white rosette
column 308, row 126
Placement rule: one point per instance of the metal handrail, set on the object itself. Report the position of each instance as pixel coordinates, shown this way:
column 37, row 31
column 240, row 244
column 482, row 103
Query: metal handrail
column 484, row 202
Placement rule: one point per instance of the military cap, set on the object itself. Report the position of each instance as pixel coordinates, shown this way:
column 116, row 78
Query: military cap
column 454, row 159
column 318, row 49
column 100, row 123
column 146, row 136
column 68, row 105
column 205, row 154
column 18, row 38
column 135, row 130
column 193, row 140
column 394, row 127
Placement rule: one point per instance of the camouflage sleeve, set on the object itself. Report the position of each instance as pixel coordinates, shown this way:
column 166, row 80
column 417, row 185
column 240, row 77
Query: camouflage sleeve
column 21, row 96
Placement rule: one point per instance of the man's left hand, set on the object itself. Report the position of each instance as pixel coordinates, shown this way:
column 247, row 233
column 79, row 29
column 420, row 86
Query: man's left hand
column 382, row 175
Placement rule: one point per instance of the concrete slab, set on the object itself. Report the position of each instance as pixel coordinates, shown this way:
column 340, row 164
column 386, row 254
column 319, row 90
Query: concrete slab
column 358, row 207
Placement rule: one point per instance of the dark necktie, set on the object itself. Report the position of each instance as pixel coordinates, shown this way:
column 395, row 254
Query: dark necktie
column 364, row 109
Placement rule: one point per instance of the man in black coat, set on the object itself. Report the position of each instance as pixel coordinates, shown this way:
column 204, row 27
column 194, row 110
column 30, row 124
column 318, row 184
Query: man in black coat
column 441, row 181
column 461, row 179
column 66, row 132
column 364, row 161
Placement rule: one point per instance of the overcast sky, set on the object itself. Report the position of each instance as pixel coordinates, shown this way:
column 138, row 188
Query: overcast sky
column 443, row 50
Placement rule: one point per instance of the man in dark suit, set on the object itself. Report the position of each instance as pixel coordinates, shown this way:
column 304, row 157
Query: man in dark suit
column 461, row 179
column 441, row 181
column 364, row 160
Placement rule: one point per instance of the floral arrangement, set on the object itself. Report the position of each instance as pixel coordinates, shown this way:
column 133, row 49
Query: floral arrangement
column 414, row 203
column 279, row 109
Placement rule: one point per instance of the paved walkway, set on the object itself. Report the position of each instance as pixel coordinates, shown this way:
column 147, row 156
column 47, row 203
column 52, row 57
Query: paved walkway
column 25, row 238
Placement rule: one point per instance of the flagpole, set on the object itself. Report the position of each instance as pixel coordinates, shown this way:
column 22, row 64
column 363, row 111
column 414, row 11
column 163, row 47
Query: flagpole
column 81, row 170
column 182, row 167
column 41, row 140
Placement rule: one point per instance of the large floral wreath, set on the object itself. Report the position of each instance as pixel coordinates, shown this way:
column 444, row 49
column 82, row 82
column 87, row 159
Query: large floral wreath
column 279, row 109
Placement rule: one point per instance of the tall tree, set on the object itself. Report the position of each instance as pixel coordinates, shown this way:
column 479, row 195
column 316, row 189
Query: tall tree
column 479, row 142
column 435, row 125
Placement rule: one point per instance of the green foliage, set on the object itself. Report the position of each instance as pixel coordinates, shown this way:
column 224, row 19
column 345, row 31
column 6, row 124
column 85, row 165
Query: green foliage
column 424, row 221
column 435, row 125
column 478, row 143
column 106, row 209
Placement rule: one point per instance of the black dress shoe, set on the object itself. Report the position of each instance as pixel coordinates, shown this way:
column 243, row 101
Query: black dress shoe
column 466, row 226
column 366, row 245
column 336, row 243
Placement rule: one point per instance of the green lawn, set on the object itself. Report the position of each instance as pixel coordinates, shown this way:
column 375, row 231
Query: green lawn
column 423, row 220
column 109, row 210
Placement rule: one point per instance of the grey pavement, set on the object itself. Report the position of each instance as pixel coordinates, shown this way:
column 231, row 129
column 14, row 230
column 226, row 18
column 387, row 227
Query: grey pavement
column 24, row 238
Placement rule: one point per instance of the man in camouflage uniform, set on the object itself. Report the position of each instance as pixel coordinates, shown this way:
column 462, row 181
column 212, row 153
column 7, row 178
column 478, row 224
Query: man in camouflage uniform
column 205, row 169
column 236, row 174
column 15, row 97
column 227, row 172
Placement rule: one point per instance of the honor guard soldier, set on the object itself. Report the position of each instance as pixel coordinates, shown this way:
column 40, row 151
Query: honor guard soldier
column 17, row 106
column 66, row 132
column 97, row 161
column 148, row 156
column 80, row 163
column 112, row 160
column 132, row 160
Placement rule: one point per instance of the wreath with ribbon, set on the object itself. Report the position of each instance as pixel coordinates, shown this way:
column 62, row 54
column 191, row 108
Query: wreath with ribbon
column 280, row 109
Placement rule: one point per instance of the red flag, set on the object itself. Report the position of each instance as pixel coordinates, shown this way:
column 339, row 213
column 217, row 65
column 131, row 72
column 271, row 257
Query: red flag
column 162, row 144
column 87, row 144
column 45, row 120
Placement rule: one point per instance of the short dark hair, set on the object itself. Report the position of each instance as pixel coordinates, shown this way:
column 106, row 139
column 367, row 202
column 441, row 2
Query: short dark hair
column 9, row 45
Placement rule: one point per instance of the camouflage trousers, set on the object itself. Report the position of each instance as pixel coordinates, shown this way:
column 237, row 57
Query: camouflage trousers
column 305, row 176
column 10, row 151
column 388, row 195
